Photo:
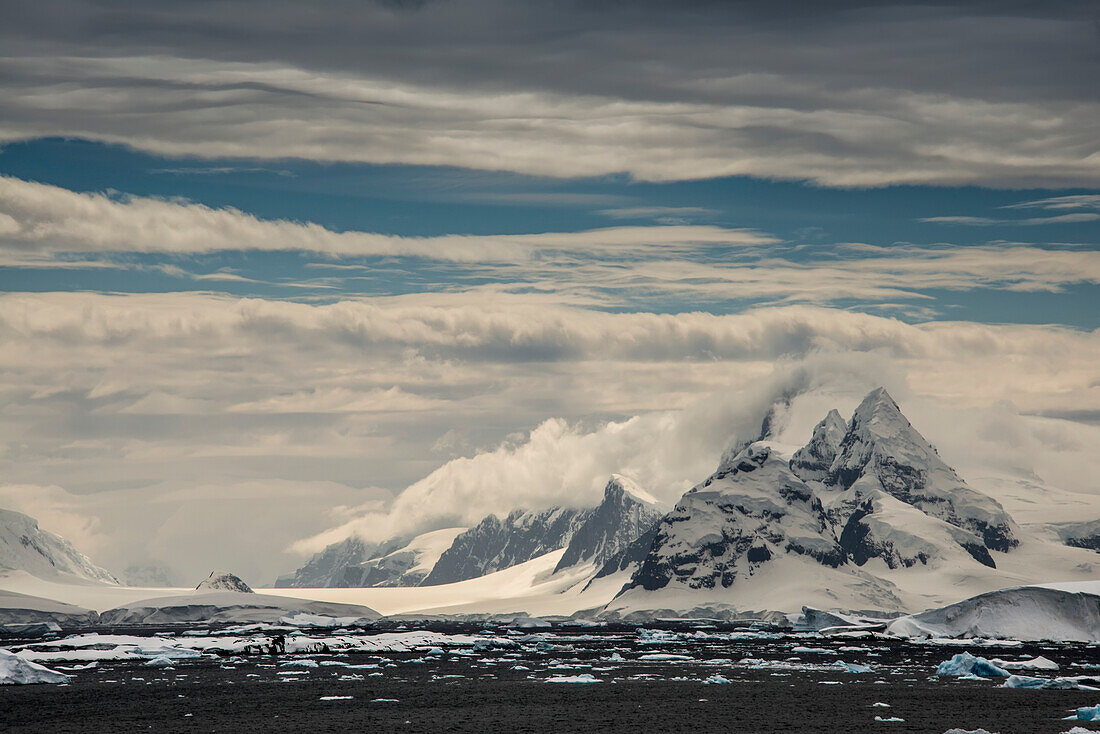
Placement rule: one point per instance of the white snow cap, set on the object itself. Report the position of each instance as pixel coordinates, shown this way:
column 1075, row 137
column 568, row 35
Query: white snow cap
column 631, row 487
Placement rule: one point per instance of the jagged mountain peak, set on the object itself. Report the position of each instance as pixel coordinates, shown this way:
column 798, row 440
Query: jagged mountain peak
column 774, row 422
column 882, row 454
column 626, row 513
column 618, row 484
column 494, row 544
column 878, row 429
column 813, row 460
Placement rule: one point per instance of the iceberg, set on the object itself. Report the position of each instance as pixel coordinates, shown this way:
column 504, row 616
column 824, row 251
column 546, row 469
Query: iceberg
column 966, row 664
column 14, row 670
column 1038, row 663
column 1032, row 683
column 1088, row 713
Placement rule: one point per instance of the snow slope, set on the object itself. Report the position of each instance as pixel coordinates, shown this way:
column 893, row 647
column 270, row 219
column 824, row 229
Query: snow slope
column 227, row 606
column 1022, row 613
column 18, row 608
column 530, row 587
column 26, row 547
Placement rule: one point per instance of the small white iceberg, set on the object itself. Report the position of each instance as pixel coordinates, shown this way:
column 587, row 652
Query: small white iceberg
column 1032, row 683
column 582, row 678
column 14, row 670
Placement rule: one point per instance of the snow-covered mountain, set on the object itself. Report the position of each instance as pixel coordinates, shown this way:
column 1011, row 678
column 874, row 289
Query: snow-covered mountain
column 626, row 513
column 856, row 518
column 26, row 547
column 589, row 536
column 224, row 581
column 355, row 563
column 494, row 544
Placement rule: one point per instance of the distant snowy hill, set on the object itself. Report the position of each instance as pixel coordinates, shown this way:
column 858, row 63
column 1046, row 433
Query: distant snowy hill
column 224, row 581
column 26, row 547
column 355, row 563
column 865, row 516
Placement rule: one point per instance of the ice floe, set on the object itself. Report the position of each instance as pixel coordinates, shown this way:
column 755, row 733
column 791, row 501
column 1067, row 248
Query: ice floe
column 582, row 678
column 14, row 670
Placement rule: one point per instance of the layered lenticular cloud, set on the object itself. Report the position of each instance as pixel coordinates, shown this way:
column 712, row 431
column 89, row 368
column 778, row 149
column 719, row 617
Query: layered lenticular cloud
column 841, row 95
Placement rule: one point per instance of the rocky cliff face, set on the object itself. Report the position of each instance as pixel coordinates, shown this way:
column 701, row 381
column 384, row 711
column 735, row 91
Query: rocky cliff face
column 338, row 565
column 626, row 513
column 352, row 563
column 495, row 544
column 748, row 512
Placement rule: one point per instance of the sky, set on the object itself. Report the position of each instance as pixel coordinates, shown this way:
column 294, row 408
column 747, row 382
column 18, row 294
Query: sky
column 274, row 274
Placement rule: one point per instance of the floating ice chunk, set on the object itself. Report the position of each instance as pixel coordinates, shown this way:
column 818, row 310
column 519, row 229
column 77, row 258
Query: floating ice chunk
column 305, row 619
column 1039, row 663
column 1087, row 713
column 852, row 667
column 664, row 656
column 1030, row 682
column 14, row 670
column 889, row 719
column 582, row 678
column 880, row 705
column 551, row 647
column 816, row 650
column 718, row 680
column 336, row 698
column 161, row 661
column 304, row 663
column 384, row 700
column 969, row 731
column 965, row 663
column 495, row 644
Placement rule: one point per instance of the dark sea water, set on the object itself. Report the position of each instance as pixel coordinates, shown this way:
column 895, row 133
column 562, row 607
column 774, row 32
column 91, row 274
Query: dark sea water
column 777, row 683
